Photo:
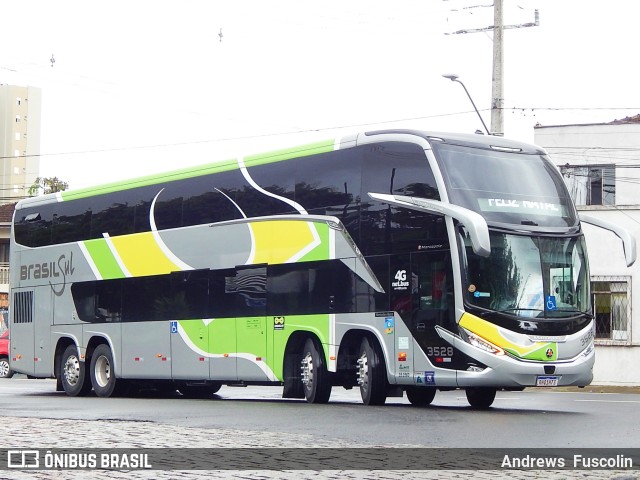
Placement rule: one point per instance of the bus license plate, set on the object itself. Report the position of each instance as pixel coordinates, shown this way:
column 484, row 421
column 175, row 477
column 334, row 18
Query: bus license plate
column 547, row 381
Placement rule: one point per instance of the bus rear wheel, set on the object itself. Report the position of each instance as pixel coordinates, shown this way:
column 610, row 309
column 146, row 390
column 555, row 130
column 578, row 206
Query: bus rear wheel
column 480, row 397
column 72, row 373
column 103, row 378
column 315, row 376
column 372, row 375
column 420, row 396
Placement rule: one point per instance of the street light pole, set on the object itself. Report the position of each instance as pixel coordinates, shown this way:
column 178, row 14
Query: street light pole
column 454, row 78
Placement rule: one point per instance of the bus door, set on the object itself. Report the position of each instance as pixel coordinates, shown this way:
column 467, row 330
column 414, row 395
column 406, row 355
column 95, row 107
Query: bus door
column 22, row 329
column 251, row 323
column 190, row 329
column 221, row 325
column 237, row 333
column 432, row 304
column 146, row 337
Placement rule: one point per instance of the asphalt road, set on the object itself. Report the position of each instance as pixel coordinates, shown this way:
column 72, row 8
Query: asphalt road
column 528, row 419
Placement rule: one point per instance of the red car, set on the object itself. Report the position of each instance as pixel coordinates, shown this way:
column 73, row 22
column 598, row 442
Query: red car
column 5, row 368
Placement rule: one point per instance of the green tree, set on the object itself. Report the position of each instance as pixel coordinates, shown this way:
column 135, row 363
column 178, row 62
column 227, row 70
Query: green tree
column 47, row 185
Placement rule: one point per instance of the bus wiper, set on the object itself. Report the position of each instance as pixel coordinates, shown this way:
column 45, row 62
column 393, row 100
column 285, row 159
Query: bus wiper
column 512, row 309
column 574, row 310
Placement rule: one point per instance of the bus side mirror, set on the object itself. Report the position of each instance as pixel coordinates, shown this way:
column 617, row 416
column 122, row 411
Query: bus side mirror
column 628, row 240
column 474, row 222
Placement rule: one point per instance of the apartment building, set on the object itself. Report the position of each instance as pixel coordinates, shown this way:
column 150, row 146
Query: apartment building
column 20, row 115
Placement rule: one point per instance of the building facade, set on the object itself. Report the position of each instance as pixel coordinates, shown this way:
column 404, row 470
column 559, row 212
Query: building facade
column 20, row 115
column 601, row 166
column 20, row 119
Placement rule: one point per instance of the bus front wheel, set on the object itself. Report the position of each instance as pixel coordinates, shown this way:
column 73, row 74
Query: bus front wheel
column 372, row 375
column 315, row 376
column 72, row 373
column 480, row 397
column 103, row 377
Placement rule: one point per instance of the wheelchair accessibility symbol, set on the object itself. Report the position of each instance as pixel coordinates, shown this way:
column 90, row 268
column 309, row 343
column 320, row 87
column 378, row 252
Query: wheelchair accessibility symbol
column 551, row 302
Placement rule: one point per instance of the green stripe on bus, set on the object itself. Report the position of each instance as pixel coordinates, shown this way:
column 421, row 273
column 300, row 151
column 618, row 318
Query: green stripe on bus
column 103, row 259
column 289, row 153
column 317, row 325
column 154, row 179
column 321, row 252
column 200, row 170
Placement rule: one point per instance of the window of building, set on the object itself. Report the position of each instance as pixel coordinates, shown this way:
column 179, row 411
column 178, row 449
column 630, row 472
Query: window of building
column 4, row 253
column 17, row 118
column 612, row 309
column 18, row 101
column 17, row 135
column 591, row 184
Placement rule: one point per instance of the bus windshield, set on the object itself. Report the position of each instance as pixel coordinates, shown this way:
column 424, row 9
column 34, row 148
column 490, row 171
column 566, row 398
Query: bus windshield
column 525, row 276
column 506, row 187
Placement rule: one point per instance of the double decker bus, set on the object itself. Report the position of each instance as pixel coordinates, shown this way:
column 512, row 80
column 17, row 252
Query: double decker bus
column 392, row 261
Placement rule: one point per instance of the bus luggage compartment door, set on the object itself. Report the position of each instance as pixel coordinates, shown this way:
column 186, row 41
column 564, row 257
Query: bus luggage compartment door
column 21, row 330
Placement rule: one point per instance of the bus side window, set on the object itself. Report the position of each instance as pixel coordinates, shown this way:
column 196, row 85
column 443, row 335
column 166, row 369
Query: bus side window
column 210, row 199
column 249, row 288
column 34, row 228
column 287, row 289
column 192, row 288
column 221, row 302
column 109, row 300
column 84, row 299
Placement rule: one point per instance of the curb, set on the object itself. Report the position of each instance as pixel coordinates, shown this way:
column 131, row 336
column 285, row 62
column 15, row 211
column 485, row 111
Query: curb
column 591, row 389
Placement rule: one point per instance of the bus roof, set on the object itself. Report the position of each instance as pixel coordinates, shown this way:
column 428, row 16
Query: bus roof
column 471, row 140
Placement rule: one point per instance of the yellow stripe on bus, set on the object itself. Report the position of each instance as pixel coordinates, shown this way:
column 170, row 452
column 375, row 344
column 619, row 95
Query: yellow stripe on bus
column 141, row 255
column 282, row 241
column 492, row 333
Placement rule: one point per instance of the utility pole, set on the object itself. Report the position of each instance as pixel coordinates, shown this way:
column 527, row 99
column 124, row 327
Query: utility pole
column 497, row 79
column 497, row 89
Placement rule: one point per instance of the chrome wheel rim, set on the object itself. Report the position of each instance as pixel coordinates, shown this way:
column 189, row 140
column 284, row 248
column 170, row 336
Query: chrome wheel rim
column 102, row 371
column 363, row 372
column 72, row 370
column 307, row 370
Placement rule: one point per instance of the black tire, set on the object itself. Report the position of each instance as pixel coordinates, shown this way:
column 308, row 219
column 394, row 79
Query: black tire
column 316, row 382
column 372, row 374
column 199, row 391
column 103, row 377
column 481, row 397
column 5, row 368
column 420, row 396
column 73, row 374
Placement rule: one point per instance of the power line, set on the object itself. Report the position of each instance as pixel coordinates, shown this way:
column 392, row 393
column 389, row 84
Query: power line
column 243, row 137
column 571, row 108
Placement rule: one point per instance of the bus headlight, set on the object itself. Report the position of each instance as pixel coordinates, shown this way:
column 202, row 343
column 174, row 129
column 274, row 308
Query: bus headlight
column 482, row 344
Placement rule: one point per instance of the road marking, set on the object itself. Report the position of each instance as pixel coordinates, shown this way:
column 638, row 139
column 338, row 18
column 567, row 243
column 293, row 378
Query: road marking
column 609, row 401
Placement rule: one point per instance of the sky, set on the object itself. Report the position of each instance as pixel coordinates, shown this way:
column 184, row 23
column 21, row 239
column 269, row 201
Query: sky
column 139, row 87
